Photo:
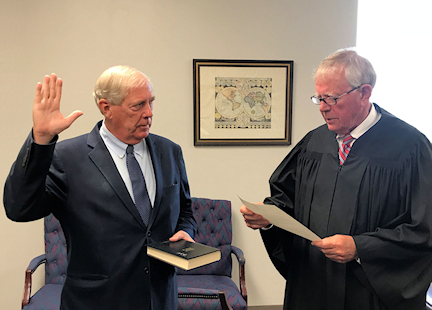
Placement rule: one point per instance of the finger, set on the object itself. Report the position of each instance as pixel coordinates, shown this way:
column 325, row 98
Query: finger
column 248, row 223
column 326, row 243
column 38, row 94
column 181, row 235
column 189, row 238
column 72, row 117
column 58, row 90
column 337, row 259
column 52, row 85
column 245, row 210
column 45, row 88
column 250, row 217
column 327, row 249
column 317, row 243
column 256, row 223
column 174, row 238
column 255, row 218
column 251, row 226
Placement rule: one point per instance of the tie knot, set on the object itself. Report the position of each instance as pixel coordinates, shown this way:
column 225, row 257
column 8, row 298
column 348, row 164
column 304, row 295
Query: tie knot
column 347, row 139
column 130, row 149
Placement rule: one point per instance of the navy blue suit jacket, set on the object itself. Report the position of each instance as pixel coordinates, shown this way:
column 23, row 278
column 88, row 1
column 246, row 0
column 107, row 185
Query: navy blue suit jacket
column 78, row 182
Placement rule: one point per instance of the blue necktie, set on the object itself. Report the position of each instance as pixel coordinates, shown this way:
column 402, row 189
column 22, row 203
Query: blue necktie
column 142, row 200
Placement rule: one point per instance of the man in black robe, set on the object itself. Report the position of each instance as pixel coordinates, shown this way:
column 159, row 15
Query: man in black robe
column 371, row 205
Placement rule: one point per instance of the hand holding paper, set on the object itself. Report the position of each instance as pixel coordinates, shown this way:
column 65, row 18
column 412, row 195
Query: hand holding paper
column 281, row 219
column 252, row 219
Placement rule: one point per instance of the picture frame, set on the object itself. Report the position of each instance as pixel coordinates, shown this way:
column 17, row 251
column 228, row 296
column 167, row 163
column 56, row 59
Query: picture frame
column 242, row 102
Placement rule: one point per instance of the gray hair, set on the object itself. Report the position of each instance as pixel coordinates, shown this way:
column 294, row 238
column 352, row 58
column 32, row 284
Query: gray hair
column 116, row 82
column 358, row 70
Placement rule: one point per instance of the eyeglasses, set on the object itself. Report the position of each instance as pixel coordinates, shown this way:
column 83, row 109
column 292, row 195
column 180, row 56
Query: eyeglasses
column 332, row 100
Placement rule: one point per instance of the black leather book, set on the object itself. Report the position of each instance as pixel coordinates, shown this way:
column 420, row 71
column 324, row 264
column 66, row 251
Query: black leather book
column 184, row 254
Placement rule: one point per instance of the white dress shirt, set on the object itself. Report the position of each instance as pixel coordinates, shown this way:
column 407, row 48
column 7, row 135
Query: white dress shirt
column 361, row 129
column 117, row 150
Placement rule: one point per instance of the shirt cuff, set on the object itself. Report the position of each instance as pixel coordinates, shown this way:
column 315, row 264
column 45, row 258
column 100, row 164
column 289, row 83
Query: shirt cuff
column 267, row 227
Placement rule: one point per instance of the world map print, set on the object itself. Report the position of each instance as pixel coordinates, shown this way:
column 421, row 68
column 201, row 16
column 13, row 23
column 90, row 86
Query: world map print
column 243, row 103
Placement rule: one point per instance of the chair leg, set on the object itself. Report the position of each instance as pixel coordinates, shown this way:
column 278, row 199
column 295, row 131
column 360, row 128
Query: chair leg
column 223, row 301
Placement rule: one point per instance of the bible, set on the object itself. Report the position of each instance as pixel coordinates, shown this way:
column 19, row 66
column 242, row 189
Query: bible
column 184, row 254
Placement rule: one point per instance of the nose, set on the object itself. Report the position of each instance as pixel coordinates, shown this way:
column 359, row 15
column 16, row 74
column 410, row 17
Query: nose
column 148, row 111
column 324, row 107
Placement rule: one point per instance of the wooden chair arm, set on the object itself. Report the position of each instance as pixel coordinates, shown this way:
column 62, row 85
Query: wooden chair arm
column 34, row 264
column 242, row 275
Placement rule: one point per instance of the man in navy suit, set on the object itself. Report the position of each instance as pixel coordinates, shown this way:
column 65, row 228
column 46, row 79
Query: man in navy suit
column 85, row 183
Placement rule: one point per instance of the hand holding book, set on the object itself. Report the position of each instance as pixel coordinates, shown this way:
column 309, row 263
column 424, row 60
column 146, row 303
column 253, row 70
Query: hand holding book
column 181, row 234
column 184, row 254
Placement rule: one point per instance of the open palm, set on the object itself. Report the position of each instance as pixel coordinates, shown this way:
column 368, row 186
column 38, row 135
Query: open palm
column 48, row 121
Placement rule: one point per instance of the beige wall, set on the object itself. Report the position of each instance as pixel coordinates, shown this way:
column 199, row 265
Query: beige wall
column 79, row 39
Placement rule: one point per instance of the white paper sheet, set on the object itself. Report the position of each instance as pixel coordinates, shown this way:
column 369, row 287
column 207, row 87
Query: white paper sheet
column 281, row 219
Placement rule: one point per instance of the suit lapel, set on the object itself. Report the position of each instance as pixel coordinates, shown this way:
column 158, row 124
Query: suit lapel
column 103, row 160
column 157, row 167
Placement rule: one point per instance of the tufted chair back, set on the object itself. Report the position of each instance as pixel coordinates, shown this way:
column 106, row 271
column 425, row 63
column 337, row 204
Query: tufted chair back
column 55, row 251
column 213, row 219
column 55, row 260
column 211, row 286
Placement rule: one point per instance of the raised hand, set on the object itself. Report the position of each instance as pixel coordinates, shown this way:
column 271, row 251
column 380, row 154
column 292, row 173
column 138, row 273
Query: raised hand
column 47, row 118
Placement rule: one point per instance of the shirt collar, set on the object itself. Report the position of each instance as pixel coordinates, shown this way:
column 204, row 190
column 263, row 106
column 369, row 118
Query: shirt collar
column 117, row 146
column 372, row 118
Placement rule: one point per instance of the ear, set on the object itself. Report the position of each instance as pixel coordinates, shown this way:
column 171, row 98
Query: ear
column 105, row 108
column 366, row 92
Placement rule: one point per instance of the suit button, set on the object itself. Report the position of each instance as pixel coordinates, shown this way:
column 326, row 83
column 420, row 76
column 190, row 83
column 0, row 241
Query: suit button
column 148, row 233
column 146, row 270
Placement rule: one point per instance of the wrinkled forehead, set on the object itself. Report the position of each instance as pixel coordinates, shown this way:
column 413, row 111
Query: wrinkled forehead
column 331, row 84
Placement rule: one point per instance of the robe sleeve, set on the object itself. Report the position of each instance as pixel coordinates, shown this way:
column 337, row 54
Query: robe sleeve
column 397, row 258
column 278, row 242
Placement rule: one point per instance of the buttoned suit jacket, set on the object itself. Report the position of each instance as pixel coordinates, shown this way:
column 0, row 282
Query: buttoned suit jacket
column 78, row 182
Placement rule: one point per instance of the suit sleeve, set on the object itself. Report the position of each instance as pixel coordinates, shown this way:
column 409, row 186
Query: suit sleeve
column 186, row 220
column 25, row 196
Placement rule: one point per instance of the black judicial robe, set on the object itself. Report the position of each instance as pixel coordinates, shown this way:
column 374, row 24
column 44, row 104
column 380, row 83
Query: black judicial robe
column 382, row 196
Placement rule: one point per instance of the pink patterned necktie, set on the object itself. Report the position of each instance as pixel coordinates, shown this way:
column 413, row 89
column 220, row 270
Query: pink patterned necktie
column 345, row 148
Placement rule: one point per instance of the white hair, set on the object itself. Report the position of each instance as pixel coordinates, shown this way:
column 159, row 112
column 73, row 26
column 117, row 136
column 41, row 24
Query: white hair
column 358, row 70
column 116, row 82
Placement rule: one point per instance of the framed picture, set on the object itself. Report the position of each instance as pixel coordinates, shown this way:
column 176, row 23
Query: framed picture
column 242, row 102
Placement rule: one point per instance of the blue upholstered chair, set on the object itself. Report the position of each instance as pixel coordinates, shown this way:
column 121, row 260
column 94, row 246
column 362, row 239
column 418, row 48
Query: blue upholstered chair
column 196, row 286
column 207, row 287
column 55, row 260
